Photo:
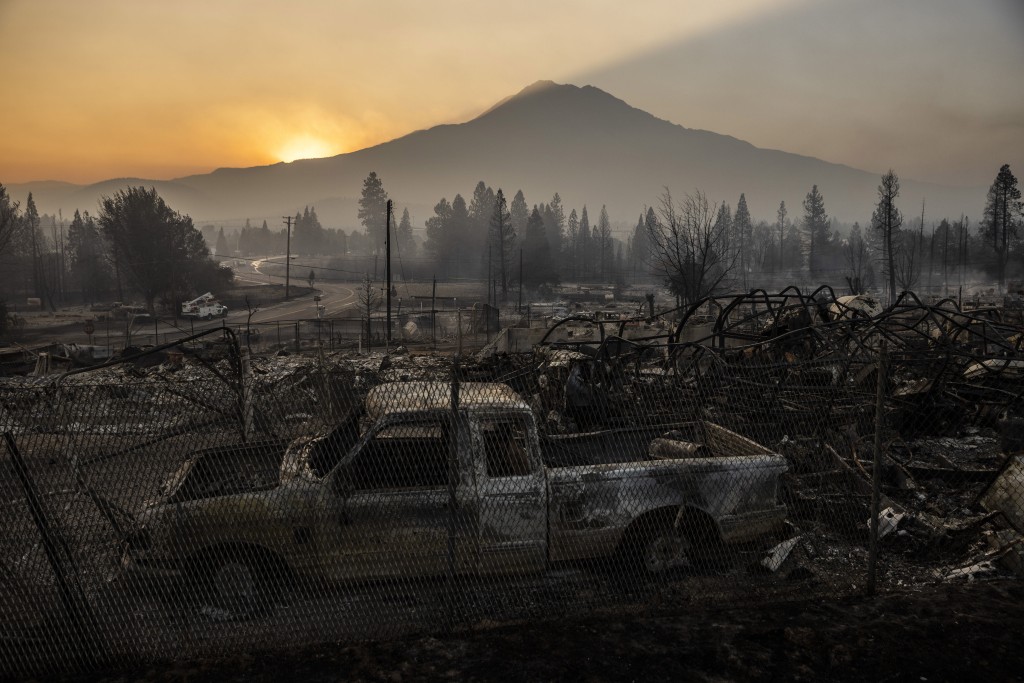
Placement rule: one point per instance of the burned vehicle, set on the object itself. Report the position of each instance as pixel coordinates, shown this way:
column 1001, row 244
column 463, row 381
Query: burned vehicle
column 421, row 483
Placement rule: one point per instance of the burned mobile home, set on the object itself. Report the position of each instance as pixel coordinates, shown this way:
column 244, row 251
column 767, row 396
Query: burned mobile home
column 734, row 452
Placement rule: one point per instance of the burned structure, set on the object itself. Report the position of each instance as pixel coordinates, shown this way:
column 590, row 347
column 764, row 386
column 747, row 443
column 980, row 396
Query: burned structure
column 747, row 448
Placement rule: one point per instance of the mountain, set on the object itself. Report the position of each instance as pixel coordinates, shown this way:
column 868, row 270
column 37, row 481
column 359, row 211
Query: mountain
column 581, row 142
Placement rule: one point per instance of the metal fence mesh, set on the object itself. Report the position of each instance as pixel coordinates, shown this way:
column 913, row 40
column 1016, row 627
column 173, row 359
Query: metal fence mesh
column 196, row 501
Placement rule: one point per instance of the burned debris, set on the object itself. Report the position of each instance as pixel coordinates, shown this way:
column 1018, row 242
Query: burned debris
column 752, row 420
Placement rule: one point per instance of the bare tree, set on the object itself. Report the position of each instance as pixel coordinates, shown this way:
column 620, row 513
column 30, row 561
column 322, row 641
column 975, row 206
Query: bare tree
column 858, row 262
column 369, row 299
column 688, row 246
column 906, row 263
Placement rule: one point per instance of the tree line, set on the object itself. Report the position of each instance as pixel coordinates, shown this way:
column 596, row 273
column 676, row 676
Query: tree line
column 697, row 248
column 135, row 246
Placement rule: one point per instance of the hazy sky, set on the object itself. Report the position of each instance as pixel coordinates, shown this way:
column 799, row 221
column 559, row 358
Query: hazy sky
column 113, row 88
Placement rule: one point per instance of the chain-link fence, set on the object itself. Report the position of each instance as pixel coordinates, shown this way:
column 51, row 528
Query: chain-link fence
column 199, row 500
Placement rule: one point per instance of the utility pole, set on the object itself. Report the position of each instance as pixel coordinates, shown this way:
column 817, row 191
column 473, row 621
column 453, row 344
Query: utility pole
column 287, row 256
column 387, row 266
column 520, row 307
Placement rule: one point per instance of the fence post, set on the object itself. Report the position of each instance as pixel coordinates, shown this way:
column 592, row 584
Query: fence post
column 246, row 395
column 876, row 469
column 72, row 596
column 453, row 482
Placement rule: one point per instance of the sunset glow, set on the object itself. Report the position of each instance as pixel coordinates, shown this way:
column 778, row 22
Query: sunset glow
column 111, row 88
column 305, row 147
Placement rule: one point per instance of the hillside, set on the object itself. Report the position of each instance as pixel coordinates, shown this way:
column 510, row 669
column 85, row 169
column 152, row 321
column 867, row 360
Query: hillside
column 581, row 142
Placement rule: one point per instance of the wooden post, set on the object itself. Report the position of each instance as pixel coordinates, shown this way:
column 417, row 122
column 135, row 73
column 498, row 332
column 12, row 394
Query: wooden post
column 72, row 596
column 876, row 469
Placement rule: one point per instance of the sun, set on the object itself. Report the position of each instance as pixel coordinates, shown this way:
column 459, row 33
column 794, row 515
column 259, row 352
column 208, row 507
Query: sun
column 305, row 147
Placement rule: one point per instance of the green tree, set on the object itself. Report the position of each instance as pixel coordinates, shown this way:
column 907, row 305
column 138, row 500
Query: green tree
column 538, row 267
column 373, row 210
column 403, row 237
column 1002, row 217
column 87, row 257
column 887, row 219
column 743, row 230
column 555, row 225
column 584, row 250
column 477, row 238
column 503, row 239
column 780, row 225
column 605, row 249
column 815, row 231
column 572, row 243
column 222, row 249
column 519, row 213
column 9, row 221
column 161, row 253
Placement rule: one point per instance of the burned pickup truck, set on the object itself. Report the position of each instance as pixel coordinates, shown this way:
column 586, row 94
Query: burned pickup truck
column 415, row 484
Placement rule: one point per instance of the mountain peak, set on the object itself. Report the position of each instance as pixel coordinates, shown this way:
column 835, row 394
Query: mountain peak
column 554, row 96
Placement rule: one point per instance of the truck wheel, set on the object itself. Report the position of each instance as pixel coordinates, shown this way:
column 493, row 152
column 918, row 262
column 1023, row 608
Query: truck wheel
column 664, row 549
column 237, row 587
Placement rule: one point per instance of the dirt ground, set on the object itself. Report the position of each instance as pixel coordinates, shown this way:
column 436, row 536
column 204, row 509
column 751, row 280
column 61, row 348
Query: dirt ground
column 946, row 632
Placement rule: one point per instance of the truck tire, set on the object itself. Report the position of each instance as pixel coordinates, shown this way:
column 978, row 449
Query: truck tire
column 664, row 549
column 237, row 585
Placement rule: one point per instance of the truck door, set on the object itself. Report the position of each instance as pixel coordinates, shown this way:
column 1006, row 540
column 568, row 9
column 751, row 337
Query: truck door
column 512, row 527
column 389, row 509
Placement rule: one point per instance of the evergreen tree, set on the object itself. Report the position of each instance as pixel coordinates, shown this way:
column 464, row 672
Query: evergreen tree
column 1002, row 217
column 887, row 220
column 555, row 225
column 584, row 253
column 477, row 235
column 780, row 225
column 606, row 255
column 160, row 250
column 404, row 239
column 9, row 221
column 439, row 237
column 536, row 252
column 222, row 248
column 519, row 213
column 503, row 239
column 572, row 242
column 743, row 229
column 816, row 231
column 373, row 211
column 87, row 257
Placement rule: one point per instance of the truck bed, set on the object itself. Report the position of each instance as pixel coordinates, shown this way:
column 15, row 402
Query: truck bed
column 631, row 444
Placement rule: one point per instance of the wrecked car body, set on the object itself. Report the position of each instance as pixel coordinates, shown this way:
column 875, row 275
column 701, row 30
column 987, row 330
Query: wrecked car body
column 408, row 487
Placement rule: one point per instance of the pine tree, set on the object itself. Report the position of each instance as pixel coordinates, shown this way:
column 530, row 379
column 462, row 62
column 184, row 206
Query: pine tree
column 404, row 238
column 555, row 227
column 519, row 212
column 887, row 219
column 572, row 243
column 743, row 229
column 536, row 252
column 604, row 242
column 373, row 211
column 780, row 225
column 815, row 229
column 503, row 239
column 221, row 249
column 1002, row 217
column 584, row 253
